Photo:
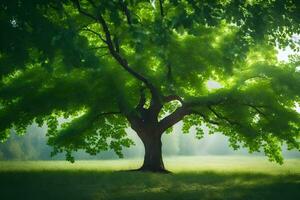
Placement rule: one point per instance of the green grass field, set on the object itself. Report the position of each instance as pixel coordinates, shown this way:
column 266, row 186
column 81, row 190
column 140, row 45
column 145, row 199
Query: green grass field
column 201, row 178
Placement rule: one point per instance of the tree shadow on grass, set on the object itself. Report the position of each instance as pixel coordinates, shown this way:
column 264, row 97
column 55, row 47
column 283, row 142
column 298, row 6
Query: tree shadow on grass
column 136, row 185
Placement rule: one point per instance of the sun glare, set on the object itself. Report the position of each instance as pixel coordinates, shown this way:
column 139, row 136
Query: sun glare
column 212, row 84
column 283, row 54
column 297, row 107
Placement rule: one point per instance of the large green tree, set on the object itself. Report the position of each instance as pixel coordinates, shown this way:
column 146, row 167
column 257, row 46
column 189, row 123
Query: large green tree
column 111, row 64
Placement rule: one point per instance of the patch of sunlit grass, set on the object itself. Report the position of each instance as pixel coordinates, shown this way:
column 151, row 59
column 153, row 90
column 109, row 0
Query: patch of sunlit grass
column 203, row 178
column 175, row 164
column 232, row 164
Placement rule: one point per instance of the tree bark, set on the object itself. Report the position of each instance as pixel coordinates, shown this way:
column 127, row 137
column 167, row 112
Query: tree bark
column 153, row 161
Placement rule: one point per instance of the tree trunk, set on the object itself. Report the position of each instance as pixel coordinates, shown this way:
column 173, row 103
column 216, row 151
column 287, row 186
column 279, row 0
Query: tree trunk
column 153, row 153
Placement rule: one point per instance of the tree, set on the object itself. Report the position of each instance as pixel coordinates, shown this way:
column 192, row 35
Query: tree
column 109, row 65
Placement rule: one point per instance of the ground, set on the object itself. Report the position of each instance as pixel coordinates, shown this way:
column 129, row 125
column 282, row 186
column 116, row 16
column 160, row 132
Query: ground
column 201, row 178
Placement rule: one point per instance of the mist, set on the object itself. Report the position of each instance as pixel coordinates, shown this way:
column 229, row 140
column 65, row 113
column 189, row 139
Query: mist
column 33, row 146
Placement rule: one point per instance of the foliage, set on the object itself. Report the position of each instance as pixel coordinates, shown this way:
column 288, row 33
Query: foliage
column 107, row 65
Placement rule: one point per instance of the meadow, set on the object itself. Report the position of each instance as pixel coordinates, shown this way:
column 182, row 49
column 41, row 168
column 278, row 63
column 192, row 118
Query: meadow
column 203, row 177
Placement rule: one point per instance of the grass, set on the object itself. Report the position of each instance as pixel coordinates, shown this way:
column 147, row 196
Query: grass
column 193, row 178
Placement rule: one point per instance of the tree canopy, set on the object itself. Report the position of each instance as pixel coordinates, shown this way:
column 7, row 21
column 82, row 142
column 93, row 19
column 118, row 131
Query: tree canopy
column 109, row 65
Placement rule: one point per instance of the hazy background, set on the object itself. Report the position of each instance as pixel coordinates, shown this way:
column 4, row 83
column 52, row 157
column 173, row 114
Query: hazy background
column 33, row 146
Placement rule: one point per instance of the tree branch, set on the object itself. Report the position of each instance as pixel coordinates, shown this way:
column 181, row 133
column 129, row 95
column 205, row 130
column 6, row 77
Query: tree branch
column 80, row 10
column 108, row 40
column 142, row 99
column 173, row 97
column 98, row 47
column 105, row 54
column 116, row 55
column 169, row 73
column 209, row 100
column 113, row 51
column 92, row 3
column 172, row 119
column 205, row 118
column 109, row 113
column 94, row 32
column 222, row 117
column 116, row 43
column 161, row 8
column 123, row 62
column 257, row 109
column 125, row 10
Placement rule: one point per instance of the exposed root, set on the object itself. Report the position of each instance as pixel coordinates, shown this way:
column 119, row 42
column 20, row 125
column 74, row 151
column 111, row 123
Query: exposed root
column 162, row 171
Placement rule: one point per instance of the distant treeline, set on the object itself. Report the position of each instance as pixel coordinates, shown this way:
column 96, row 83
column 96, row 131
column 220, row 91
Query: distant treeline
column 33, row 146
